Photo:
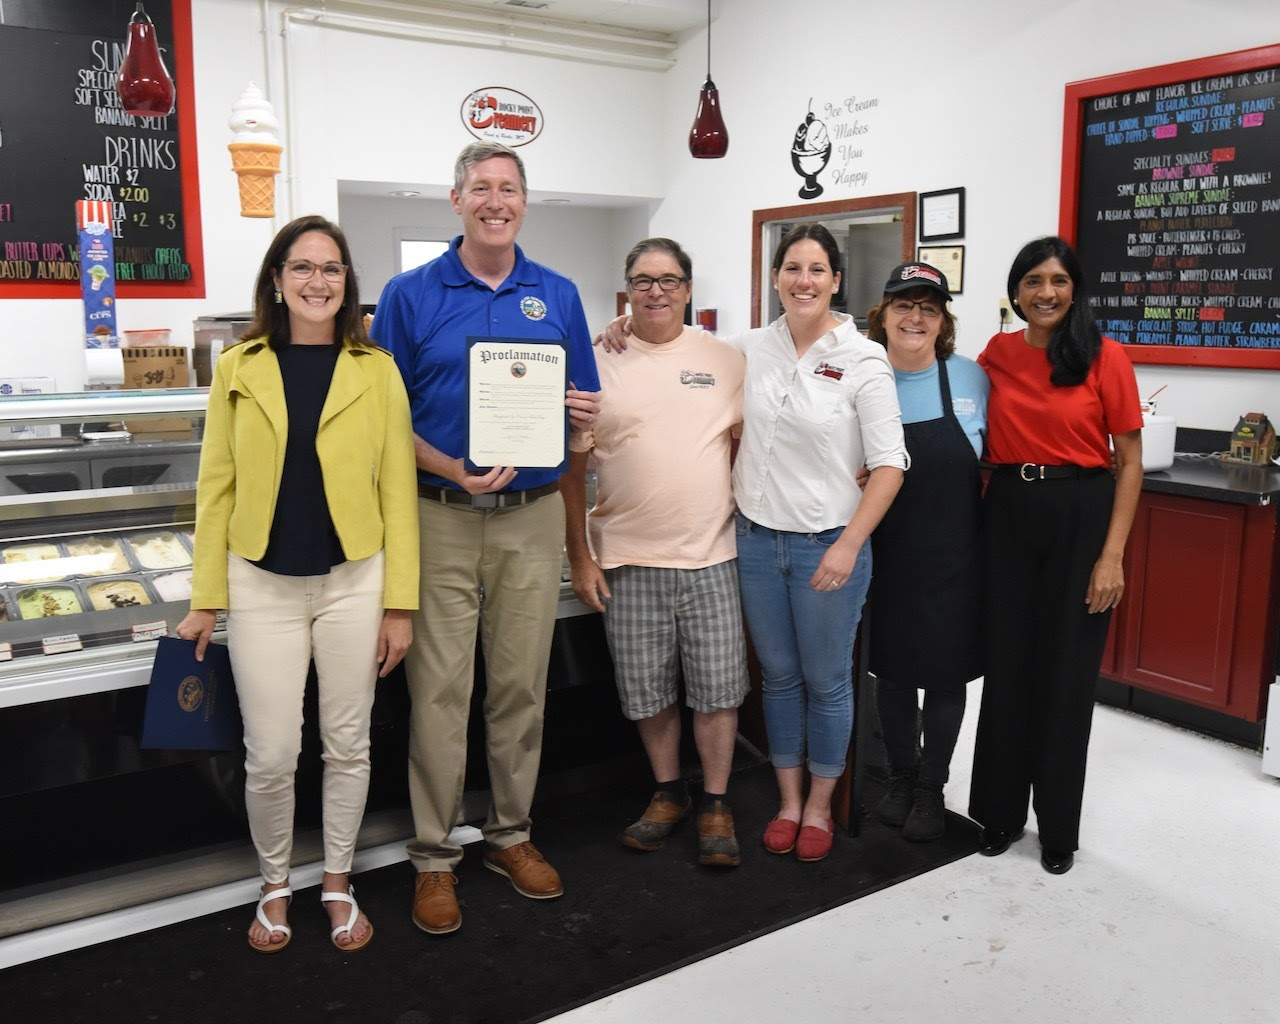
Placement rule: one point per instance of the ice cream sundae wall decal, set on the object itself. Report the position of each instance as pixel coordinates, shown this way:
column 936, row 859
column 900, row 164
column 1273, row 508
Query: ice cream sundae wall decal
column 255, row 152
column 810, row 151
column 834, row 146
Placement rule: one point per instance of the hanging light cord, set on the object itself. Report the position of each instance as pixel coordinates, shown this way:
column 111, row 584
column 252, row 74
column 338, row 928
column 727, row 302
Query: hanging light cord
column 708, row 40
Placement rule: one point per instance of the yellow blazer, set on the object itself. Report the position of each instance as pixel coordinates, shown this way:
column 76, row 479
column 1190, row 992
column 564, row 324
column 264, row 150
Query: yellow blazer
column 365, row 445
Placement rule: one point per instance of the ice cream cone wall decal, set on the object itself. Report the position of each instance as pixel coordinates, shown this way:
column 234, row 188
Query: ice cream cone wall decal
column 255, row 152
column 810, row 151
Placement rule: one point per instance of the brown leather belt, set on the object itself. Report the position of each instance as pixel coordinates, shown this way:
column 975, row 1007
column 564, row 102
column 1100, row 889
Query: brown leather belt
column 493, row 499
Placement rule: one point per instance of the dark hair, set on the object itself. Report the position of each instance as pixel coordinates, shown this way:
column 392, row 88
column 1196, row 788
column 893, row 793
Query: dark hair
column 943, row 345
column 815, row 232
column 666, row 245
column 271, row 318
column 477, row 152
column 1076, row 340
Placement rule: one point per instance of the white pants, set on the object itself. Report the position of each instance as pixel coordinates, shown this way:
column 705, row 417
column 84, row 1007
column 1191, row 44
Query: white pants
column 275, row 626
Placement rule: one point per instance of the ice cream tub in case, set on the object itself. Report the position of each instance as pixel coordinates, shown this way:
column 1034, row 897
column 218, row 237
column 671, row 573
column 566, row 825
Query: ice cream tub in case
column 173, row 586
column 34, row 562
column 98, row 556
column 48, row 602
column 119, row 592
column 159, row 549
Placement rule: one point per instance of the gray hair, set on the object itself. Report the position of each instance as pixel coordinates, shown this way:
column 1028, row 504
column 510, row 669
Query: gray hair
column 666, row 245
column 477, row 152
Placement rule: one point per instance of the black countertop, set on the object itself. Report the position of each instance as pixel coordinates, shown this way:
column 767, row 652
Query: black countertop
column 1216, row 480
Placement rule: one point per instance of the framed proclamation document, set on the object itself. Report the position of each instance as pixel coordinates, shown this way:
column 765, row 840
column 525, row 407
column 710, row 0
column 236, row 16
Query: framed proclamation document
column 515, row 403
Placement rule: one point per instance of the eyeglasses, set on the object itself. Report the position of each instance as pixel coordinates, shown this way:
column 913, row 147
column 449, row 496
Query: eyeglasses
column 668, row 283
column 302, row 270
column 928, row 310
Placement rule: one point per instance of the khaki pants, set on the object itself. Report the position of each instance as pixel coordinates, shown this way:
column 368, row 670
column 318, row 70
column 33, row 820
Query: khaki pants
column 275, row 626
column 514, row 557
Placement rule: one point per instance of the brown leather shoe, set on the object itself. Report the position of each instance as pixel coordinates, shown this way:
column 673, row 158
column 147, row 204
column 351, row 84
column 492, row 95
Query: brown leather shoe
column 658, row 821
column 435, row 907
column 531, row 875
column 717, row 844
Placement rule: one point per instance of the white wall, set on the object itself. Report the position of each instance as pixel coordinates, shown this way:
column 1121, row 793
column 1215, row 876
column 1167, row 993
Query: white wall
column 581, row 243
column 966, row 95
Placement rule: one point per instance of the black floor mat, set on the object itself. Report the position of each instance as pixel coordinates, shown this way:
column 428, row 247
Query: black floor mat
column 625, row 917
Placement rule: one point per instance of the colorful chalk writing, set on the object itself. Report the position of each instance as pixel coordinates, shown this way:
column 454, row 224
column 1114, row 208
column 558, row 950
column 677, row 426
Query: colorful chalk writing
column 72, row 139
column 1179, row 212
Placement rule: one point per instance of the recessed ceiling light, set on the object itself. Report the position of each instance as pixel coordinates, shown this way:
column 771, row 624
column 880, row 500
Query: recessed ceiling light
column 406, row 194
column 557, row 202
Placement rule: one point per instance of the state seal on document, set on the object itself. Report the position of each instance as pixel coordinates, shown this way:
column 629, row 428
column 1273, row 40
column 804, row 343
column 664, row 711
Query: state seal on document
column 190, row 693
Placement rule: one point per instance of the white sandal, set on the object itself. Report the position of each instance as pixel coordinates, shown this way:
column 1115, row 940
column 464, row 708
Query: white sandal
column 273, row 947
column 347, row 897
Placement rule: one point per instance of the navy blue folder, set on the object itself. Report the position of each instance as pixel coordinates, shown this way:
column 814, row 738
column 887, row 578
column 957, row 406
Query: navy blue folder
column 191, row 705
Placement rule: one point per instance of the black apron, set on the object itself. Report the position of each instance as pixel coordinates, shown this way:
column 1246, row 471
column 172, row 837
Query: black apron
column 926, row 591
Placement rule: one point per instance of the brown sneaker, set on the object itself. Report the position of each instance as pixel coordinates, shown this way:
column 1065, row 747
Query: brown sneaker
column 717, row 844
column 658, row 821
column 435, row 907
column 531, row 875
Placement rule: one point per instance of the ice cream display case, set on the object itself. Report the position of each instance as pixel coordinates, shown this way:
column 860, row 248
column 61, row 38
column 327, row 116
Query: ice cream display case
column 96, row 514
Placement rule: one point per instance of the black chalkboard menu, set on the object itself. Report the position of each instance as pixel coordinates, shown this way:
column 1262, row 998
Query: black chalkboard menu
column 1172, row 196
column 64, row 137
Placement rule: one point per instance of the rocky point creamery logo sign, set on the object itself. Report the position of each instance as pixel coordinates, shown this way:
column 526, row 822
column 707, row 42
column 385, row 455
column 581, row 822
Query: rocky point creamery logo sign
column 502, row 115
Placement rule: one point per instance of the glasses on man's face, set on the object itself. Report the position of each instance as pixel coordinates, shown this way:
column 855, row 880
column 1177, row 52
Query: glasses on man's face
column 903, row 307
column 669, row 283
column 302, row 270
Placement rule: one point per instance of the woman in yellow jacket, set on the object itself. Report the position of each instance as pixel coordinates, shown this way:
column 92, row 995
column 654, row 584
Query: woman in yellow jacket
column 307, row 534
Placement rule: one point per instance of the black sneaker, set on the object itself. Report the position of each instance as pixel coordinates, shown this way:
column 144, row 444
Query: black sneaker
column 896, row 803
column 927, row 819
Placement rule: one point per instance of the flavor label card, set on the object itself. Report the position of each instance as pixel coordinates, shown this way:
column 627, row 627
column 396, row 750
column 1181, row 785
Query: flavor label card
column 61, row 644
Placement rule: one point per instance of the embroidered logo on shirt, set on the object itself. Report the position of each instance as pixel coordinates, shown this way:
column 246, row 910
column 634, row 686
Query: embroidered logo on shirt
column 697, row 380
column 825, row 369
column 533, row 307
column 963, row 406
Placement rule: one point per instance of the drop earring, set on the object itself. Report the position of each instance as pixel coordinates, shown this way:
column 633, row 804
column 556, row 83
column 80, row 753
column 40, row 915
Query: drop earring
column 279, row 297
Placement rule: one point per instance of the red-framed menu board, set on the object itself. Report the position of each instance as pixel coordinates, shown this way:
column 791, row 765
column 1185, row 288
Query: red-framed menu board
column 64, row 137
column 1171, row 196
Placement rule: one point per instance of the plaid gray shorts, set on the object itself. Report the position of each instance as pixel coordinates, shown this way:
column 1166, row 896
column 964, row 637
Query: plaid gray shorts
column 664, row 623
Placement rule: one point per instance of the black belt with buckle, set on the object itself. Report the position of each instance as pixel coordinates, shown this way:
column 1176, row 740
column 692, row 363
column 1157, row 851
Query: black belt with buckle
column 1029, row 472
column 493, row 499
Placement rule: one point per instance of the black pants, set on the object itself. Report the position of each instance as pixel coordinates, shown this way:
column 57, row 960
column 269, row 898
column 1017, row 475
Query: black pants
column 902, row 725
column 1041, row 540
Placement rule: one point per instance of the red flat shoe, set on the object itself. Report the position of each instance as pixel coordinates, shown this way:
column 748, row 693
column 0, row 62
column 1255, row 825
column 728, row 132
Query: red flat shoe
column 780, row 835
column 814, row 843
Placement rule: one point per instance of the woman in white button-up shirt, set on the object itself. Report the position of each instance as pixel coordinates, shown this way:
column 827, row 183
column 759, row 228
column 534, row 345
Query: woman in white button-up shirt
column 819, row 403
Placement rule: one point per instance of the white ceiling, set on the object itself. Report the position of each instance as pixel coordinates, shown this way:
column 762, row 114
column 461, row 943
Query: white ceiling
column 667, row 16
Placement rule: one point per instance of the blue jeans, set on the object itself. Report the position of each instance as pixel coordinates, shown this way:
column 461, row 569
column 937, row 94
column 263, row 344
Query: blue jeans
column 804, row 641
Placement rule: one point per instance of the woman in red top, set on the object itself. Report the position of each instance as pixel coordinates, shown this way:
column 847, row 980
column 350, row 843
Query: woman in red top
column 1056, row 521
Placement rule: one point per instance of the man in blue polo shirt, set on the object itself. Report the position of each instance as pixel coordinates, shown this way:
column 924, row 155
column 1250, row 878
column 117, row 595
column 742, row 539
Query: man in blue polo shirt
column 491, row 540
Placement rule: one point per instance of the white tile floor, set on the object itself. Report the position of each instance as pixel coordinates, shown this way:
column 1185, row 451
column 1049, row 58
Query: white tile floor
column 1171, row 914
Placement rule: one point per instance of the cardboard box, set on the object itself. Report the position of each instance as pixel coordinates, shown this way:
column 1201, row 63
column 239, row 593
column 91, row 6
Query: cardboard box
column 156, row 367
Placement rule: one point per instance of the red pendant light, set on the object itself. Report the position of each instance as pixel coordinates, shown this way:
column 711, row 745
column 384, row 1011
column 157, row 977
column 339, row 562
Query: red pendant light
column 709, row 138
column 144, row 85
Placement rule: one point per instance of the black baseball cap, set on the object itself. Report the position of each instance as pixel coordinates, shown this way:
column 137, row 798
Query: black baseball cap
column 916, row 275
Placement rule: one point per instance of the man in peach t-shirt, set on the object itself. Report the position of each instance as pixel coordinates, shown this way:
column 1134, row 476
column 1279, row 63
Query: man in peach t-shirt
column 657, row 553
